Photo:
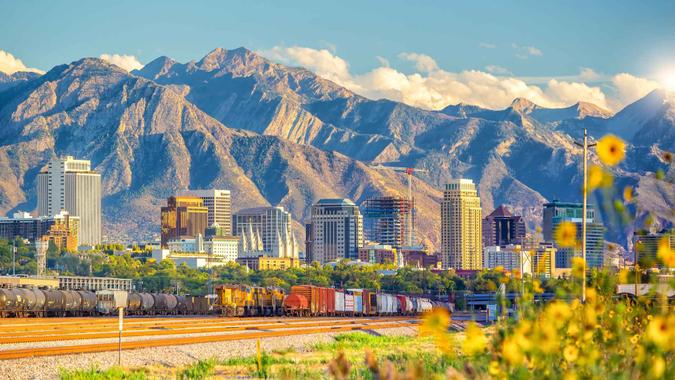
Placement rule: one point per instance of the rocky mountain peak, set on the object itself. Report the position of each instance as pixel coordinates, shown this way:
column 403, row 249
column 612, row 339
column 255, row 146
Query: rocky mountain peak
column 585, row 109
column 523, row 106
column 156, row 68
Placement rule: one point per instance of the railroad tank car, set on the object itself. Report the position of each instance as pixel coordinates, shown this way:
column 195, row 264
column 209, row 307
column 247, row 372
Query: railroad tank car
column 147, row 303
column 134, row 303
column 296, row 305
column 55, row 303
column 73, row 302
column 7, row 303
column 182, row 305
column 88, row 304
column 160, row 302
column 171, row 303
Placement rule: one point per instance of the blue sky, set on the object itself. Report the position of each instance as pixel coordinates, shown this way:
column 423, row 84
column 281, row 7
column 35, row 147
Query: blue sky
column 524, row 39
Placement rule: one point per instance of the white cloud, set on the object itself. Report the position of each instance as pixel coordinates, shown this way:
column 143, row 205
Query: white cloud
column 10, row 64
column 497, row 70
column 423, row 62
column 432, row 87
column 126, row 62
column 486, row 45
column 588, row 75
column 524, row 52
column 630, row 88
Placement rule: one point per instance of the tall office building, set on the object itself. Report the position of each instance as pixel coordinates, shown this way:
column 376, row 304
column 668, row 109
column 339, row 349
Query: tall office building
column 461, row 224
column 70, row 185
column 502, row 228
column 271, row 227
column 646, row 246
column 556, row 212
column 387, row 220
column 219, row 204
column 337, row 230
column 183, row 217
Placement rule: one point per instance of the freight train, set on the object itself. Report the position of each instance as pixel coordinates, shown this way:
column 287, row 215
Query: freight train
column 308, row 300
column 229, row 300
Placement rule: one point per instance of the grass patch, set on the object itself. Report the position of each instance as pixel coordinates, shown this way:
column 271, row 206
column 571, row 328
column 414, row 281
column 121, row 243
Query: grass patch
column 95, row 373
column 199, row 370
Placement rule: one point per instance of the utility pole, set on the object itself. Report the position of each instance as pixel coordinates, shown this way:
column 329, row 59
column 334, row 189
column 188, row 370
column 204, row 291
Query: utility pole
column 585, row 145
column 14, row 257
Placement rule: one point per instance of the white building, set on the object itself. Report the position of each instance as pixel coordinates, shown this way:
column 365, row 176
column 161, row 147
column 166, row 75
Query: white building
column 217, row 250
column 511, row 257
column 219, row 204
column 336, row 230
column 270, row 227
column 461, row 226
column 69, row 184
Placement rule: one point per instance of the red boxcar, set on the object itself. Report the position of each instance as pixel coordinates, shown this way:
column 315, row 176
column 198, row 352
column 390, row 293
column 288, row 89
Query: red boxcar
column 330, row 301
column 323, row 301
column 312, row 295
column 401, row 304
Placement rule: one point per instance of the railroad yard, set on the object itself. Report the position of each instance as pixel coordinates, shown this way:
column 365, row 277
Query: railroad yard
column 40, row 347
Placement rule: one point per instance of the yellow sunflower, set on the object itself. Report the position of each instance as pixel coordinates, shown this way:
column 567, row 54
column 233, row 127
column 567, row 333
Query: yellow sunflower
column 611, row 150
column 566, row 235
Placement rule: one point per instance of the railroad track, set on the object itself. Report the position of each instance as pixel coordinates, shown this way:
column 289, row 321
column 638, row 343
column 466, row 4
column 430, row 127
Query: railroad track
column 175, row 341
column 111, row 331
column 98, row 324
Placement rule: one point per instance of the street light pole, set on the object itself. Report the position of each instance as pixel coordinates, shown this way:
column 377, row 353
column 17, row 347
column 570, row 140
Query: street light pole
column 583, row 217
column 14, row 257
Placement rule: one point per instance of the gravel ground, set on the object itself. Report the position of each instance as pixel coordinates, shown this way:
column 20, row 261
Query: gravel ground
column 48, row 368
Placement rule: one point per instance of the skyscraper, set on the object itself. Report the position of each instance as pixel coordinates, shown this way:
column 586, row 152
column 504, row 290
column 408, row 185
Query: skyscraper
column 385, row 220
column 183, row 217
column 219, row 204
column 556, row 212
column 270, row 226
column 337, row 230
column 461, row 238
column 502, row 228
column 70, row 185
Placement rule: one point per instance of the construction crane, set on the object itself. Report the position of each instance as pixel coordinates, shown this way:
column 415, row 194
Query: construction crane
column 409, row 172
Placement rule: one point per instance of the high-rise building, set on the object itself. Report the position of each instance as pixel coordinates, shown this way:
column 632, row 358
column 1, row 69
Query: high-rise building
column 502, row 228
column 337, row 230
column 646, row 246
column 556, row 212
column 61, row 229
column 509, row 257
column 269, row 228
column 219, row 204
column 461, row 224
column 183, row 217
column 386, row 220
column 70, row 185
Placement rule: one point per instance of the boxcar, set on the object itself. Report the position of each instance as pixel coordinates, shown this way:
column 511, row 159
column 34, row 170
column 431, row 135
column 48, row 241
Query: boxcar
column 311, row 295
column 350, row 307
column 340, row 303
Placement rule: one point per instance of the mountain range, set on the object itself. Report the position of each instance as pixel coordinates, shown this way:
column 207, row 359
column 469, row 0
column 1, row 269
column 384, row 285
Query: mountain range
column 278, row 135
